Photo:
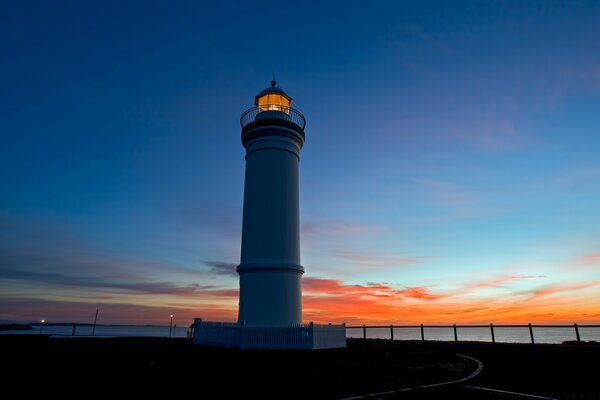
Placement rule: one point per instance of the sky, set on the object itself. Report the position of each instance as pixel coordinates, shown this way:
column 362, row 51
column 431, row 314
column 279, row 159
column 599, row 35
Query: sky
column 451, row 170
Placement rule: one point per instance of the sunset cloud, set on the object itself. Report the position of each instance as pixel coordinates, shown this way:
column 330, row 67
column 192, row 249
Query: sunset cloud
column 560, row 289
column 330, row 300
column 420, row 293
column 334, row 287
column 324, row 300
column 587, row 260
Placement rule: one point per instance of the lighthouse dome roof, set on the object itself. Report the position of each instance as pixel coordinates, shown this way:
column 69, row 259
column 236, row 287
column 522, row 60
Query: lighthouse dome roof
column 274, row 88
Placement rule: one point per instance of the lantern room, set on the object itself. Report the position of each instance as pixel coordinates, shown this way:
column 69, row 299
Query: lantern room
column 273, row 98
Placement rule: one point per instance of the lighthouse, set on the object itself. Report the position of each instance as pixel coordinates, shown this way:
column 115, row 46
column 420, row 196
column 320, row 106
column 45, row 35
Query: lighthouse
column 270, row 304
column 270, row 269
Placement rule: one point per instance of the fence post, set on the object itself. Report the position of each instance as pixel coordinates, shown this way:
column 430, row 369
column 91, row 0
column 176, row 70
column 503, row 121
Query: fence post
column 531, row 334
column 577, row 333
column 422, row 333
column 492, row 331
column 243, row 345
column 455, row 334
column 392, row 332
column 75, row 327
column 364, row 331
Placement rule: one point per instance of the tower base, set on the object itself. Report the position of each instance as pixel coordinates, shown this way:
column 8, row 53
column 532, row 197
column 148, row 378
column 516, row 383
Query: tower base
column 283, row 337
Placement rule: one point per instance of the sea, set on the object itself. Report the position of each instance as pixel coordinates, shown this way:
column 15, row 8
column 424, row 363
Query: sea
column 102, row 330
column 478, row 334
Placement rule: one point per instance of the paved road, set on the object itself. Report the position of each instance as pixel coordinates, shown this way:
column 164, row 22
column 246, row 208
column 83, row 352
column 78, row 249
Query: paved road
column 520, row 371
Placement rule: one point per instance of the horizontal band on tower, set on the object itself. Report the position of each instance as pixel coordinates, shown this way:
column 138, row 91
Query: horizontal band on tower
column 273, row 142
column 255, row 131
column 271, row 267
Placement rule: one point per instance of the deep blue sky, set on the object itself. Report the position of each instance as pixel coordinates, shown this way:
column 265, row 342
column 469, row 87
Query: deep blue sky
column 452, row 155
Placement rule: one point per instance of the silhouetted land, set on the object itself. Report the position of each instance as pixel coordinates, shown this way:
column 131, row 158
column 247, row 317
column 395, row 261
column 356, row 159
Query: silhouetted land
column 567, row 371
column 15, row 327
column 176, row 366
column 121, row 366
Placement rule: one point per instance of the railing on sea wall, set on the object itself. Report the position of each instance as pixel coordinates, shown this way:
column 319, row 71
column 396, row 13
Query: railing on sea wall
column 490, row 333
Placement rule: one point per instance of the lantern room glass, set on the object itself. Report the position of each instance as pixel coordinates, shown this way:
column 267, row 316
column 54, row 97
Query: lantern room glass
column 273, row 102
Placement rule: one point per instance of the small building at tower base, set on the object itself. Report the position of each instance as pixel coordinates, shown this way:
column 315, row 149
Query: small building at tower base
column 282, row 337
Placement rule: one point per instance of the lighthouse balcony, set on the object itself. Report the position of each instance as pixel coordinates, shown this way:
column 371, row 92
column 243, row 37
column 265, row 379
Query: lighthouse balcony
column 272, row 113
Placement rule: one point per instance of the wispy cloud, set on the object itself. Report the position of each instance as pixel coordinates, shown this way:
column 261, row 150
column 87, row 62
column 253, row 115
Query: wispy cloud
column 47, row 266
column 559, row 289
column 374, row 259
column 217, row 219
column 32, row 310
column 495, row 135
column 222, row 268
column 449, row 195
column 338, row 228
column 587, row 260
column 575, row 178
column 454, row 200
column 192, row 289
column 350, row 243
column 29, row 246
column 498, row 281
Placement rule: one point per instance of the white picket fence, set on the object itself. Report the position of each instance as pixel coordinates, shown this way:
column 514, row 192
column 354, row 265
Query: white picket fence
column 283, row 337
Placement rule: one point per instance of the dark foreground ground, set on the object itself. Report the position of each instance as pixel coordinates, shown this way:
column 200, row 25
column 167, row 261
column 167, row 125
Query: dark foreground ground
column 519, row 371
column 125, row 367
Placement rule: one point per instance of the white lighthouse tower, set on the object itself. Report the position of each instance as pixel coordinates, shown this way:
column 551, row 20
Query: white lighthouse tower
column 270, row 270
column 270, row 306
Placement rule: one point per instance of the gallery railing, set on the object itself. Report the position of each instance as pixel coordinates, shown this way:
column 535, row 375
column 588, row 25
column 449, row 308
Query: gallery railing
column 272, row 112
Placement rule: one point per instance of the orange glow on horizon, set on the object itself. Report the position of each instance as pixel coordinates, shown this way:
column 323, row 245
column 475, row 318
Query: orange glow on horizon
column 333, row 301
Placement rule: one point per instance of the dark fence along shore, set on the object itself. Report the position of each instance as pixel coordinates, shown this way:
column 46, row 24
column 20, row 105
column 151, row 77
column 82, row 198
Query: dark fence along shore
column 490, row 333
column 486, row 333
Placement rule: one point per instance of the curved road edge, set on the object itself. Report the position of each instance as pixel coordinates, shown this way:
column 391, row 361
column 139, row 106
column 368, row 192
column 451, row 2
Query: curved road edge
column 470, row 376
